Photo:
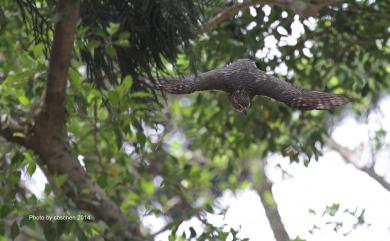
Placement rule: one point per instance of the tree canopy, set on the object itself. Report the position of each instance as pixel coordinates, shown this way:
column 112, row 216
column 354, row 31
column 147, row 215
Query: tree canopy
column 112, row 148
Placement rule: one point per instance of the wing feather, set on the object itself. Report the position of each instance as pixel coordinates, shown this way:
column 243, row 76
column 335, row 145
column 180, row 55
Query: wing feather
column 297, row 97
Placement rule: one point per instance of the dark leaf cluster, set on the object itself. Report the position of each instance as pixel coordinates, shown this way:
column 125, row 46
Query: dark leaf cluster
column 148, row 34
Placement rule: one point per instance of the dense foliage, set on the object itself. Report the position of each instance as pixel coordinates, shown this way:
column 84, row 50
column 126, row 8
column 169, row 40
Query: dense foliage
column 171, row 156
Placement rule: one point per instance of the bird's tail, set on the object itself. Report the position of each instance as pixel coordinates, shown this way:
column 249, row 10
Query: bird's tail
column 310, row 100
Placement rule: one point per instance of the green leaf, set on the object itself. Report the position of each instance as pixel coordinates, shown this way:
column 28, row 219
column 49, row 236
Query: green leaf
column 102, row 181
column 306, row 162
column 112, row 28
column 141, row 138
column 124, row 39
column 75, row 77
column 14, row 230
column 365, row 90
column 113, row 98
column 38, row 50
column 19, row 77
column 47, row 190
column 50, row 231
column 92, row 44
column 361, row 219
column 118, row 137
column 223, row 235
column 126, row 35
column 312, row 211
column 19, row 134
column 60, row 180
column 2, row 229
column 298, row 239
column 140, row 94
column 33, row 199
column 31, row 168
column 123, row 43
column 332, row 210
column 132, row 199
column 23, row 100
column 125, row 86
column 14, row 178
column 110, row 51
column 5, row 210
column 172, row 238
column 147, row 187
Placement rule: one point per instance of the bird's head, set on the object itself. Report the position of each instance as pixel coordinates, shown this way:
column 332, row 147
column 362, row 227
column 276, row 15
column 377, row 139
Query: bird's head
column 240, row 100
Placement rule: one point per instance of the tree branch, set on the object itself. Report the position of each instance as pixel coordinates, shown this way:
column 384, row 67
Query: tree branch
column 301, row 7
column 48, row 137
column 60, row 56
column 271, row 209
column 350, row 157
column 226, row 14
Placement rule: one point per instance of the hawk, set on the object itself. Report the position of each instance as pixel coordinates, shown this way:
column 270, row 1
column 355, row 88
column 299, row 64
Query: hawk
column 242, row 81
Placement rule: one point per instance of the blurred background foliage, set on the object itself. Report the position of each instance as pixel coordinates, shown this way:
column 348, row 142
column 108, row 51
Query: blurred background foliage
column 171, row 156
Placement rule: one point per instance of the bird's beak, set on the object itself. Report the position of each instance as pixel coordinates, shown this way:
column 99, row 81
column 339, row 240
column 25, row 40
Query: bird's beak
column 244, row 111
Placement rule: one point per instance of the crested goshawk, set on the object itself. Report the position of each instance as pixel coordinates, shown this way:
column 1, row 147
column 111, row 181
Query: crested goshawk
column 242, row 80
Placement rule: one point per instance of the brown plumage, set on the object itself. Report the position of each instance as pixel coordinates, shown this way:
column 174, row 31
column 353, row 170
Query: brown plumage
column 242, row 80
column 317, row 100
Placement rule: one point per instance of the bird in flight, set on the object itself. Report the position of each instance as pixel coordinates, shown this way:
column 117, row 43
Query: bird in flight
column 242, row 81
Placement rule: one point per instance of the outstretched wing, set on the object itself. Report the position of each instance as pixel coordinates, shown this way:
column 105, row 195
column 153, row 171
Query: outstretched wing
column 176, row 85
column 297, row 97
column 243, row 74
column 211, row 80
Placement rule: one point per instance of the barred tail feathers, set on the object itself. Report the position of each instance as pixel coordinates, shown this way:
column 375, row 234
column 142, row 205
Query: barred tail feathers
column 309, row 100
